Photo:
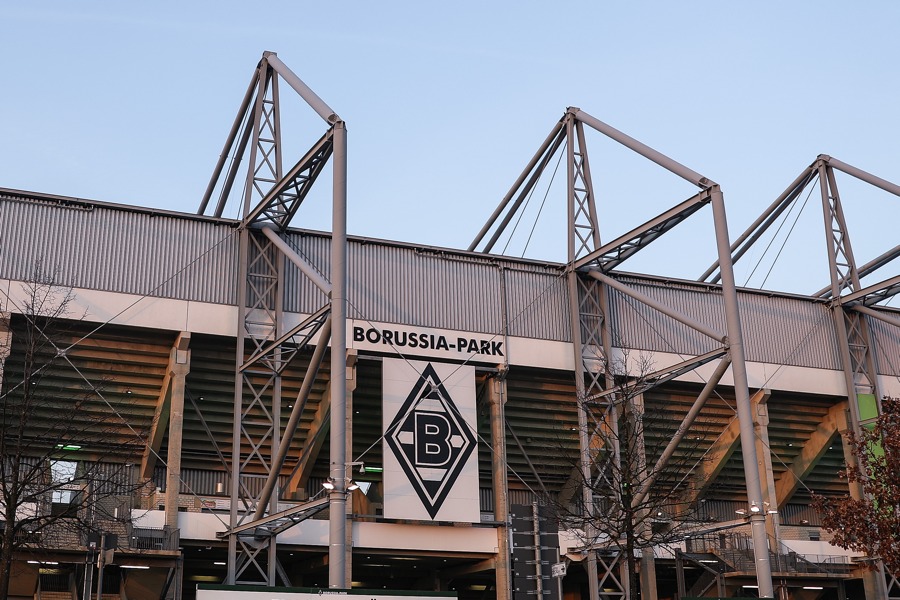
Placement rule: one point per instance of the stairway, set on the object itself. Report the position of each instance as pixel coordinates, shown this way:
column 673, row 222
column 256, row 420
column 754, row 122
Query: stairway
column 706, row 581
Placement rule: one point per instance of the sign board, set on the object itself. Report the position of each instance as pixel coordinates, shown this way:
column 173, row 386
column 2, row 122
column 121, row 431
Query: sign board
column 558, row 569
column 429, row 424
column 439, row 343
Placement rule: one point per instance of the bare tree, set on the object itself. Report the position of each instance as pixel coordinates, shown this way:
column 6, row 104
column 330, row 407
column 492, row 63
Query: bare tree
column 639, row 502
column 64, row 461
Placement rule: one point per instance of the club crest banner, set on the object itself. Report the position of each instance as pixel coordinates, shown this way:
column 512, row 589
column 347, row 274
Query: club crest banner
column 430, row 442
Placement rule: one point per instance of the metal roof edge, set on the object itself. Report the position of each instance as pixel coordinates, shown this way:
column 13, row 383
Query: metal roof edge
column 23, row 195
column 69, row 201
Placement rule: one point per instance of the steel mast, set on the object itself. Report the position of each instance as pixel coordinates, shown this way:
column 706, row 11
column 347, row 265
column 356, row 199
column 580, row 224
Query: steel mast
column 265, row 346
column 589, row 267
column 851, row 302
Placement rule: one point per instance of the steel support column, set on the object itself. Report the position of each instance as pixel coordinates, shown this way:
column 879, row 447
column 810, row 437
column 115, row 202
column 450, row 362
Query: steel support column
column 258, row 385
column 264, row 349
column 257, row 403
column 590, row 332
column 237, row 414
column 742, row 395
column 337, row 573
column 583, row 238
column 854, row 337
column 852, row 329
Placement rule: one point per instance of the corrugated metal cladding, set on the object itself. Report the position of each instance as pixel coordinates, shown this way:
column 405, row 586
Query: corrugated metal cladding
column 140, row 252
column 301, row 295
column 121, row 251
column 886, row 339
column 419, row 287
column 108, row 248
column 777, row 329
column 788, row 331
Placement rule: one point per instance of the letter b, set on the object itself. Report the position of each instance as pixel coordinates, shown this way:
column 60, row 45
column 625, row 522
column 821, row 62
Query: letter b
column 432, row 440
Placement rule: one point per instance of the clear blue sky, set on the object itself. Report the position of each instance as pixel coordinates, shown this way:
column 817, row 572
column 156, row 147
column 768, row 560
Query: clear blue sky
column 445, row 103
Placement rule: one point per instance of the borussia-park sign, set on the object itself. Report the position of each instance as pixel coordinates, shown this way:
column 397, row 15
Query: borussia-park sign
column 470, row 347
column 401, row 340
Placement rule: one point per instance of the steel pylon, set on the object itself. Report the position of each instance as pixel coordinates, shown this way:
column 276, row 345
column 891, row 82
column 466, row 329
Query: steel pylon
column 589, row 268
column 270, row 199
column 852, row 304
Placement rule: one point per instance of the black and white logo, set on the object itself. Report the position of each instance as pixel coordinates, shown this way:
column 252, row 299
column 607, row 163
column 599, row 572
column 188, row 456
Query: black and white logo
column 430, row 439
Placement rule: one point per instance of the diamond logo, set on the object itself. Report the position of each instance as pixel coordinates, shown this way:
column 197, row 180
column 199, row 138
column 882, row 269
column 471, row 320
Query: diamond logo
column 431, row 440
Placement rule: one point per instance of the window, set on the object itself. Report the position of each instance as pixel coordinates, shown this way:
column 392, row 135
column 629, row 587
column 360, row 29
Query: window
column 62, row 471
column 63, row 502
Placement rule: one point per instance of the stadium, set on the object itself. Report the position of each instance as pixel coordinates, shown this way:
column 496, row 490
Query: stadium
column 217, row 404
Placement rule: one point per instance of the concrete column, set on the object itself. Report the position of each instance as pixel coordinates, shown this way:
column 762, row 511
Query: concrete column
column 648, row 573
column 648, row 560
column 874, row 582
column 764, row 460
column 679, row 574
column 875, row 585
column 179, row 367
column 179, row 577
column 503, row 568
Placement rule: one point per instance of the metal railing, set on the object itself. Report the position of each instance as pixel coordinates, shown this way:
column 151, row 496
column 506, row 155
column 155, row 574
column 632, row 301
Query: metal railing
column 735, row 549
column 27, row 537
column 56, row 582
column 153, row 538
column 787, row 560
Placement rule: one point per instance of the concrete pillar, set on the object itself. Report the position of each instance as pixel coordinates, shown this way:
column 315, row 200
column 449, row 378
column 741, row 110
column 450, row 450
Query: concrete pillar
column 679, row 574
column 503, row 568
column 648, row 560
column 179, row 367
column 648, row 574
column 874, row 582
column 764, row 460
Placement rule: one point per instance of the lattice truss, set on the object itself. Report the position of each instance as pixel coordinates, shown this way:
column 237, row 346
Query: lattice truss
column 853, row 303
column 589, row 268
column 591, row 264
column 270, row 199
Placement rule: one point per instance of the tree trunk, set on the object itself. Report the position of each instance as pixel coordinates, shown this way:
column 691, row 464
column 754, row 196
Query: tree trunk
column 6, row 553
column 633, row 579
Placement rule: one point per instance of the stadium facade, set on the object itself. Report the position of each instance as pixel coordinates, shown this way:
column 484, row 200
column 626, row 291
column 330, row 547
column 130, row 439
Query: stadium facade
column 464, row 412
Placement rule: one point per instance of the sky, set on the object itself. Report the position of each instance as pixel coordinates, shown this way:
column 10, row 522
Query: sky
column 445, row 103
